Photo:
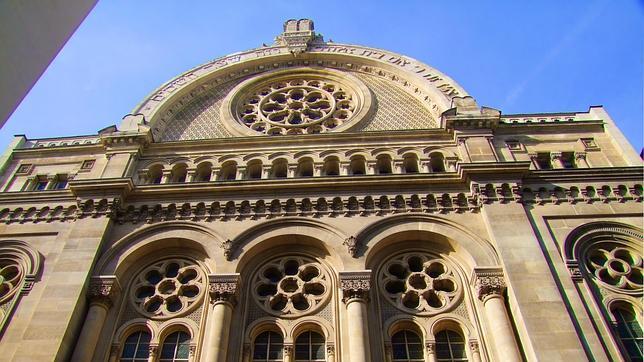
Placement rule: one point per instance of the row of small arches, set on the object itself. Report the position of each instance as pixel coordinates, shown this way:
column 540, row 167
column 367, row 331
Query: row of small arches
column 280, row 167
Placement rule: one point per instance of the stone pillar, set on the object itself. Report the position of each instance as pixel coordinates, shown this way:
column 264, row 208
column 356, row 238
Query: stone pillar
column 430, row 351
column 398, row 167
column 223, row 296
column 344, row 168
column 555, row 158
column 355, row 287
column 166, row 176
column 580, row 160
column 476, row 354
column 288, row 353
column 241, row 173
column 153, row 351
column 51, row 181
column 371, row 167
column 214, row 175
column 190, row 175
column 489, row 284
column 317, row 169
column 330, row 352
column 266, row 171
column 100, row 294
column 114, row 353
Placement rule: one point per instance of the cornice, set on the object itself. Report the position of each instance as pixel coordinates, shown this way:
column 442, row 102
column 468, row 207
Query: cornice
column 102, row 188
column 573, row 175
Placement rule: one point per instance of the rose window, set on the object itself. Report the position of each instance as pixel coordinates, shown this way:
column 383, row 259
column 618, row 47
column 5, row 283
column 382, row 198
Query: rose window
column 10, row 278
column 291, row 286
column 616, row 266
column 168, row 288
column 416, row 283
column 297, row 106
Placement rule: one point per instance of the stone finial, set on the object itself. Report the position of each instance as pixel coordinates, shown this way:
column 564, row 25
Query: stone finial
column 355, row 285
column 223, row 287
column 488, row 282
column 102, row 290
column 352, row 245
column 297, row 35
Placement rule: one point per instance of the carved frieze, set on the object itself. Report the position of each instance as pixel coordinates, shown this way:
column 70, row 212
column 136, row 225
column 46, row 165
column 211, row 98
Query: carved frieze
column 223, row 287
column 355, row 285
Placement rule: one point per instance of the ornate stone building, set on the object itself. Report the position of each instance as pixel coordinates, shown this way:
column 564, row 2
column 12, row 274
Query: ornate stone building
column 314, row 201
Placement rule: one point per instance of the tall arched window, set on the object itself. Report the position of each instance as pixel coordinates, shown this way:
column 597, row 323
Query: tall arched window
column 155, row 174
column 176, row 348
column 309, row 346
column 628, row 331
column 204, row 172
column 268, row 347
column 136, row 347
column 450, row 346
column 407, row 346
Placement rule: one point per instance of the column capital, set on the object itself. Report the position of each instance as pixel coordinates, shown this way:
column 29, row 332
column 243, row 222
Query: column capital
column 488, row 282
column 430, row 347
column 355, row 285
column 102, row 290
column 288, row 351
column 223, row 288
column 330, row 349
column 555, row 155
column 474, row 346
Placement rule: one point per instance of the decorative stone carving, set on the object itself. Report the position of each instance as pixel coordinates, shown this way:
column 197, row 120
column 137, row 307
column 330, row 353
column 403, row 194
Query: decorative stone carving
column 288, row 351
column 223, row 288
column 352, row 245
column 430, row 347
column 227, row 246
column 488, row 282
column 291, row 286
column 297, row 35
column 102, row 290
column 573, row 269
column 615, row 266
column 355, row 285
column 474, row 346
column 168, row 289
column 419, row 284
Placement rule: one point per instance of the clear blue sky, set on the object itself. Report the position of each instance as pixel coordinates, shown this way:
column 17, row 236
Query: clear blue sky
column 516, row 56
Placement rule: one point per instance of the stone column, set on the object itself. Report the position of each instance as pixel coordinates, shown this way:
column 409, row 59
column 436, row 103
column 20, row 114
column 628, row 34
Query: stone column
column 317, row 169
column 330, row 352
column 190, row 175
column 288, row 353
column 246, row 353
column 100, row 294
column 241, row 173
column 114, row 353
column 371, row 167
column 580, row 160
column 398, row 167
column 153, row 351
column 430, row 351
column 214, row 175
column 476, row 354
column 223, row 296
column 166, row 176
column 290, row 173
column 355, row 287
column 490, row 284
column 555, row 159
column 51, row 181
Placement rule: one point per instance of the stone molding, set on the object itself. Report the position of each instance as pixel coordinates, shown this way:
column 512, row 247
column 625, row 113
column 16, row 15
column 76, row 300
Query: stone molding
column 488, row 282
column 223, row 288
column 102, row 290
column 355, row 285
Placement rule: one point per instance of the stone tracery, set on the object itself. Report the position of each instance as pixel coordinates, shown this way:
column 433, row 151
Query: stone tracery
column 615, row 266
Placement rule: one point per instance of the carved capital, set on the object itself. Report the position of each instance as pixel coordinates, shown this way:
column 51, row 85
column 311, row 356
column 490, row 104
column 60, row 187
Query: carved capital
column 352, row 245
column 488, row 282
column 153, row 350
column 555, row 156
column 474, row 346
column 330, row 349
column 430, row 347
column 580, row 155
column 223, row 288
column 288, row 350
column 355, row 285
column 102, row 290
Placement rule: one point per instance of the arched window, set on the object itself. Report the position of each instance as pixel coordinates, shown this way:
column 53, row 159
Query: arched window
column 179, row 173
column 305, row 167
column 407, row 346
column 309, row 346
column 628, row 331
column 331, row 166
column 450, row 346
column 228, row 171
column 383, row 164
column 175, row 348
column 280, row 168
column 268, row 347
column 410, row 163
column 254, row 170
column 204, row 172
column 357, row 165
column 155, row 174
column 437, row 162
column 136, row 347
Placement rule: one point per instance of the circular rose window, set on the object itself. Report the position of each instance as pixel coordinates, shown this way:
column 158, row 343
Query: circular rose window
column 168, row 288
column 11, row 276
column 298, row 102
column 291, row 286
column 615, row 266
column 419, row 284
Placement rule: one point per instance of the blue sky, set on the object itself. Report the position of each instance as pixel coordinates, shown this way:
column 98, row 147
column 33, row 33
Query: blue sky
column 516, row 56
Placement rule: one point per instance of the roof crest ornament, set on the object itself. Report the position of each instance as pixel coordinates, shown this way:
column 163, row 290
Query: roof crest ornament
column 297, row 35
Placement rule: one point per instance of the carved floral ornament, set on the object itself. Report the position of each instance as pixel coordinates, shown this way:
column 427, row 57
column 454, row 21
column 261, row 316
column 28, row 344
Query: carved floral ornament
column 168, row 289
column 615, row 266
column 299, row 101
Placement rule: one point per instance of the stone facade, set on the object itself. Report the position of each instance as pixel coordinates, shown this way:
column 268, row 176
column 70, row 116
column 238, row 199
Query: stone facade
column 310, row 201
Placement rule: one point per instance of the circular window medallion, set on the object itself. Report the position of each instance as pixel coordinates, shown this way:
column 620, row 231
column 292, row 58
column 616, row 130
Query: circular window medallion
column 419, row 284
column 168, row 288
column 615, row 266
column 11, row 276
column 291, row 286
column 303, row 101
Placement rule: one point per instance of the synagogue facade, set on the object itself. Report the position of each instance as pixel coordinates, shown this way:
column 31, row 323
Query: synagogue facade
column 317, row 201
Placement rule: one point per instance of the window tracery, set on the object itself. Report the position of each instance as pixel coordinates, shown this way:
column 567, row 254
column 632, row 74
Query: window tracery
column 136, row 347
column 419, row 284
column 175, row 348
column 168, row 289
column 617, row 267
column 291, row 286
